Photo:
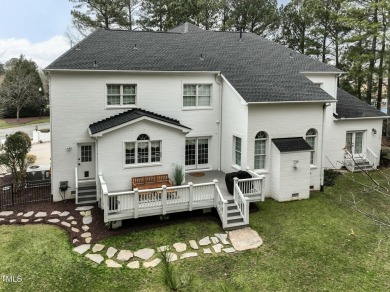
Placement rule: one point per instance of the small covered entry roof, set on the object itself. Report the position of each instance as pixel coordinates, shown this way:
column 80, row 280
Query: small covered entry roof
column 123, row 119
column 291, row 144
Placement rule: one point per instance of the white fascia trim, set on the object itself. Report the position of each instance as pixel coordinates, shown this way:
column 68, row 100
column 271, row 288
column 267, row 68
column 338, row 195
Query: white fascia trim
column 129, row 71
column 100, row 134
column 304, row 101
column 362, row 118
column 235, row 91
column 322, row 72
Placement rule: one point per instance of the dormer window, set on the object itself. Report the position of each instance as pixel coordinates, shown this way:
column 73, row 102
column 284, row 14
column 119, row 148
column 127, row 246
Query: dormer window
column 121, row 95
column 196, row 95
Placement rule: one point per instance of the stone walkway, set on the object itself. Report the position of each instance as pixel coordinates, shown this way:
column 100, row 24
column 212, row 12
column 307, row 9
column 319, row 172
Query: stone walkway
column 230, row 242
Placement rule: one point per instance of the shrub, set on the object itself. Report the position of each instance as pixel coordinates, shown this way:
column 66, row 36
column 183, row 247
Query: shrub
column 330, row 176
column 45, row 130
column 31, row 158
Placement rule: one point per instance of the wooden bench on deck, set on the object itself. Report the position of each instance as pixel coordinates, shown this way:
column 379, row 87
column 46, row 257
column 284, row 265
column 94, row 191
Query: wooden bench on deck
column 153, row 182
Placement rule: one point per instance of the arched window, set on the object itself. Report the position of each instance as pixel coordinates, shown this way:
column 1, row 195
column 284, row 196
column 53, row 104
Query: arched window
column 143, row 150
column 311, row 136
column 260, row 149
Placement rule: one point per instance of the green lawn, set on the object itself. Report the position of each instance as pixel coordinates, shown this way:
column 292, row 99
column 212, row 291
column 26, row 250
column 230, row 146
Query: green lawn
column 4, row 125
column 307, row 246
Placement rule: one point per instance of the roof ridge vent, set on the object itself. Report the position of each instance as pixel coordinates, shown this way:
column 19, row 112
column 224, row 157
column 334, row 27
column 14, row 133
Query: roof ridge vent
column 201, row 57
column 135, row 47
column 95, row 64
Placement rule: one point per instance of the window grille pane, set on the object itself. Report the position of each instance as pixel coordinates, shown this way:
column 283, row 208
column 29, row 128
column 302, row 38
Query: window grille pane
column 238, row 144
column 260, row 147
column 190, row 152
column 204, row 101
column 189, row 101
column 238, row 158
column 129, row 89
column 260, row 162
column 155, row 151
column 143, row 152
column 129, row 99
column 130, row 153
column 203, row 151
column 312, row 157
column 114, row 89
column 358, row 143
column 113, row 100
column 86, row 153
column 189, row 89
column 311, row 141
column 204, row 90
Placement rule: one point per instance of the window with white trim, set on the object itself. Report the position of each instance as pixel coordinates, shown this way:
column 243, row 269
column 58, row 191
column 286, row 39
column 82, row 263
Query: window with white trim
column 196, row 95
column 311, row 136
column 121, row 94
column 237, row 150
column 142, row 151
column 260, row 149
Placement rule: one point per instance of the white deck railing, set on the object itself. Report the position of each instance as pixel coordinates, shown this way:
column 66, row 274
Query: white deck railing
column 77, row 185
column 241, row 201
column 221, row 205
column 372, row 158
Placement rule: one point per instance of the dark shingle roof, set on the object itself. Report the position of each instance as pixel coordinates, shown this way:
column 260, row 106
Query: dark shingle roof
column 259, row 69
column 349, row 106
column 291, row 144
column 128, row 116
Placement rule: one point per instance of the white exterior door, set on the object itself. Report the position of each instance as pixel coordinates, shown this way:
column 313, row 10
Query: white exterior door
column 354, row 143
column 197, row 153
column 86, row 161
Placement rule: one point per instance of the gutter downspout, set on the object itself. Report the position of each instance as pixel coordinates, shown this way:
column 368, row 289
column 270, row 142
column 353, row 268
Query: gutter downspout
column 220, row 121
column 322, row 146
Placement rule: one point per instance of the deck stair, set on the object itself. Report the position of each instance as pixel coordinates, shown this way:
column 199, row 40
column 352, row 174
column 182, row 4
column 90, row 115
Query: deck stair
column 360, row 164
column 86, row 192
column 234, row 218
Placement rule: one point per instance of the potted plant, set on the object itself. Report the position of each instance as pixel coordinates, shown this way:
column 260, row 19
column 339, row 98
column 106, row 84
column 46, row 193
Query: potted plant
column 178, row 174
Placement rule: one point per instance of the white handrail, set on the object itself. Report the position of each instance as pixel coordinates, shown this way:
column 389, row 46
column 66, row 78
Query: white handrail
column 241, row 201
column 77, row 185
column 221, row 205
column 372, row 157
column 349, row 161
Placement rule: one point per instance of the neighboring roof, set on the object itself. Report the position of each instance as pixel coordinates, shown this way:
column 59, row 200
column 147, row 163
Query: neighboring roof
column 291, row 144
column 259, row 69
column 349, row 107
column 128, row 116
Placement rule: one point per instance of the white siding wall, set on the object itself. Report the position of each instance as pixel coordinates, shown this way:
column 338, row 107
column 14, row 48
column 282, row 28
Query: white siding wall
column 284, row 121
column 328, row 81
column 79, row 99
column 235, row 123
column 111, row 153
column 336, row 138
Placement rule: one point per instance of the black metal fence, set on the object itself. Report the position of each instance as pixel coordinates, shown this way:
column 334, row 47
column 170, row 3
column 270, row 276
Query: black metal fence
column 27, row 192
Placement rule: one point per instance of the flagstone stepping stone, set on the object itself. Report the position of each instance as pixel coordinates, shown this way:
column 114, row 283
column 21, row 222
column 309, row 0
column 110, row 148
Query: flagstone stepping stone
column 86, row 213
column 218, row 247
column 163, row 248
column 133, row 265
column 55, row 213
column 97, row 258
column 229, row 250
column 2, row 219
column 41, row 214
column 193, row 244
column 75, row 241
column 73, row 222
column 180, row 247
column 152, row 264
column 207, row 251
column 70, row 218
column 19, row 214
column 111, row 251
column 28, row 214
column 84, row 208
column 188, row 255
column 171, row 257
column 25, row 220
column 63, row 214
column 38, row 220
column 214, row 240
column 6, row 213
column 82, row 248
column 88, row 239
column 145, row 253
column 75, row 230
column 245, row 238
column 205, row 241
column 86, row 234
column 12, row 221
column 113, row 264
column 97, row 247
column 124, row 255
column 65, row 224
column 85, row 227
column 53, row 220
column 87, row 220
column 222, row 238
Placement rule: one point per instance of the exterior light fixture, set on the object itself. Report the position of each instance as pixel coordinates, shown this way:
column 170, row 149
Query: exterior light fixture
column 69, row 148
column 374, row 131
column 295, row 163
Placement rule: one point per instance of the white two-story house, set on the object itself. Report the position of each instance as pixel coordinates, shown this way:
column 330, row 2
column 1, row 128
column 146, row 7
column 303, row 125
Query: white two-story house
column 129, row 104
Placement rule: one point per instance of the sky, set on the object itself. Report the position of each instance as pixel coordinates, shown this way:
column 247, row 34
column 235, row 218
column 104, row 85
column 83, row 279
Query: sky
column 36, row 29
